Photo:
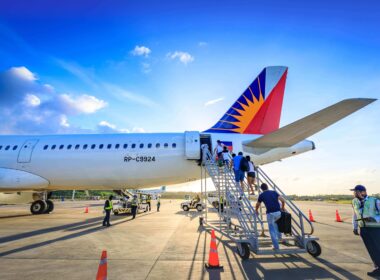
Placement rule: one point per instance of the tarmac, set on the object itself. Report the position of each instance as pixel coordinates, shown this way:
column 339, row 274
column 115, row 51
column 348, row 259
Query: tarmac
column 67, row 244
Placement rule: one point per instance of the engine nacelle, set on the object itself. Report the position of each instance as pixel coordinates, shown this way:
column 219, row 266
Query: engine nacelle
column 17, row 180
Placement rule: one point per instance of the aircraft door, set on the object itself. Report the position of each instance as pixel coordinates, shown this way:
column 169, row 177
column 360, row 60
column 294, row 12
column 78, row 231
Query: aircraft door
column 192, row 145
column 25, row 154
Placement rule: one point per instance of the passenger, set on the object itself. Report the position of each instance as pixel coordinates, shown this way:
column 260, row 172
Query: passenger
column 134, row 205
column 251, row 175
column 226, row 156
column 158, row 203
column 232, row 160
column 108, row 208
column 239, row 174
column 148, row 201
column 366, row 209
column 219, row 149
column 271, row 200
column 221, row 203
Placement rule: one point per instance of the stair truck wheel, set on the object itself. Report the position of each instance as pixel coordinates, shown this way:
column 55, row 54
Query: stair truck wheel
column 38, row 207
column 243, row 250
column 199, row 208
column 50, row 206
column 185, row 208
column 313, row 248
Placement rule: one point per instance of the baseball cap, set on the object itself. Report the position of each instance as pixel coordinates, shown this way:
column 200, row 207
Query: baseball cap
column 359, row 188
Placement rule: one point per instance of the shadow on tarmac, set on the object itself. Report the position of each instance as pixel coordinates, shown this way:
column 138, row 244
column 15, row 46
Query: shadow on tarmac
column 255, row 269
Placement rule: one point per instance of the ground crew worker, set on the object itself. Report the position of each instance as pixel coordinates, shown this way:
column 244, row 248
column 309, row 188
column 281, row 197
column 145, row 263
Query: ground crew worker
column 148, row 200
column 108, row 206
column 134, row 205
column 366, row 213
column 158, row 203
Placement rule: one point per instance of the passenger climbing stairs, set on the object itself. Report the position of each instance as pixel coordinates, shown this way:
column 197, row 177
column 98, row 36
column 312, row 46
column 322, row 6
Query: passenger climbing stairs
column 240, row 222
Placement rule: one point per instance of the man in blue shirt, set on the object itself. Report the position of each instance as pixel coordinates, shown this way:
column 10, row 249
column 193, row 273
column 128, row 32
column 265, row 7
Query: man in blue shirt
column 271, row 200
column 239, row 174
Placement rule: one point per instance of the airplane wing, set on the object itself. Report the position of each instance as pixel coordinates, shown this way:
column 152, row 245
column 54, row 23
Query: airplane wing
column 295, row 132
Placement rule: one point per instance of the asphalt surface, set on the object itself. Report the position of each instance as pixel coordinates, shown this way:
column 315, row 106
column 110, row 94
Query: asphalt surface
column 169, row 244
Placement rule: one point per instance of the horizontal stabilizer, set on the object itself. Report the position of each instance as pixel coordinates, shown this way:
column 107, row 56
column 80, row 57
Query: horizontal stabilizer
column 293, row 133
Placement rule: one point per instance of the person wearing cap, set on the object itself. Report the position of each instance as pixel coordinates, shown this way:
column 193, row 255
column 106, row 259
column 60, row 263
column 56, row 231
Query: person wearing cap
column 108, row 208
column 134, row 205
column 366, row 217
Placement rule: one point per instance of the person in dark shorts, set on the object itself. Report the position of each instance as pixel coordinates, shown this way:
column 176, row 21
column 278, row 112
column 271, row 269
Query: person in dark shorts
column 219, row 149
column 251, row 175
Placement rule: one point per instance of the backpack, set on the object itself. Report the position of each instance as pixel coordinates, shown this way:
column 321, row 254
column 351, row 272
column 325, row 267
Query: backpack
column 244, row 166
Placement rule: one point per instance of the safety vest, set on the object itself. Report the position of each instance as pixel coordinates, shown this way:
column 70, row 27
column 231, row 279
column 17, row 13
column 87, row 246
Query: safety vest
column 110, row 205
column 135, row 201
column 368, row 210
column 148, row 199
column 158, row 200
column 221, row 199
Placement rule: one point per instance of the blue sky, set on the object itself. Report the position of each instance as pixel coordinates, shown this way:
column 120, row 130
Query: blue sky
column 105, row 66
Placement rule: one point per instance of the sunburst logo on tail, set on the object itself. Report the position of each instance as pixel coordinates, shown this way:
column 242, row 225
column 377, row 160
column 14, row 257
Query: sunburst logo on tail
column 248, row 114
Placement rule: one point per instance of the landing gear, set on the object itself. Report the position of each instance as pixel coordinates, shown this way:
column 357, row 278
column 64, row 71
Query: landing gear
column 42, row 207
column 38, row 207
column 50, row 206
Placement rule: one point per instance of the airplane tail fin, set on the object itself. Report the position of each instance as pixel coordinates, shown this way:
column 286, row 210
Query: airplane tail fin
column 258, row 109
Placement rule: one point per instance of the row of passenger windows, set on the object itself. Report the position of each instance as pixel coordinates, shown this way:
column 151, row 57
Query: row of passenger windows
column 8, row 147
column 108, row 146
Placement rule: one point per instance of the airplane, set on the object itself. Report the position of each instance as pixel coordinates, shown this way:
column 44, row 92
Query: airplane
column 33, row 166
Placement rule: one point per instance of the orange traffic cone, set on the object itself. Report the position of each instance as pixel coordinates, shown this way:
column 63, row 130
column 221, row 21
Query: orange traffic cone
column 86, row 210
column 213, row 258
column 102, row 270
column 311, row 218
column 337, row 217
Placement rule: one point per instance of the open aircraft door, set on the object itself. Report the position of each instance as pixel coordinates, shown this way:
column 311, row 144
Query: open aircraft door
column 25, row 154
column 192, row 145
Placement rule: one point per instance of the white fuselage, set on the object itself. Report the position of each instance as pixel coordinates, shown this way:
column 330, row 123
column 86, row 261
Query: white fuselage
column 113, row 161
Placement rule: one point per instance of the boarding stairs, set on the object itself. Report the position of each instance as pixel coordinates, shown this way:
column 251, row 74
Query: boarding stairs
column 240, row 222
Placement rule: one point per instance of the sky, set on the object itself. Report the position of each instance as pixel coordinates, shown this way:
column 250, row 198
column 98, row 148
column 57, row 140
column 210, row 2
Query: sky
column 170, row 66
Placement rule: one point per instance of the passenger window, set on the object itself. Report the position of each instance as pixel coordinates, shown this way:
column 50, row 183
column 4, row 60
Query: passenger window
column 133, row 146
column 1, row 147
column 125, row 146
column 45, row 147
column 157, row 145
column 7, row 148
column 15, row 147
column 85, row 147
column 53, row 147
column 93, row 146
column 166, row 145
column 109, row 146
column 117, row 146
column 77, row 146
column 174, row 145
column 141, row 146
column 101, row 146
column 61, row 147
column 69, row 147
column 149, row 145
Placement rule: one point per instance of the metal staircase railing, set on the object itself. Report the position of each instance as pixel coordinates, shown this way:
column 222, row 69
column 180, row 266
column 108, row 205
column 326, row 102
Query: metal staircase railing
column 250, row 227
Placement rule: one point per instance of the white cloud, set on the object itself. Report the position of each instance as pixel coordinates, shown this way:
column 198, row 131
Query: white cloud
column 138, row 130
column 141, row 51
column 28, row 106
column 213, row 101
column 183, row 57
column 106, row 127
column 64, row 122
column 86, row 104
column 32, row 100
column 23, row 73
